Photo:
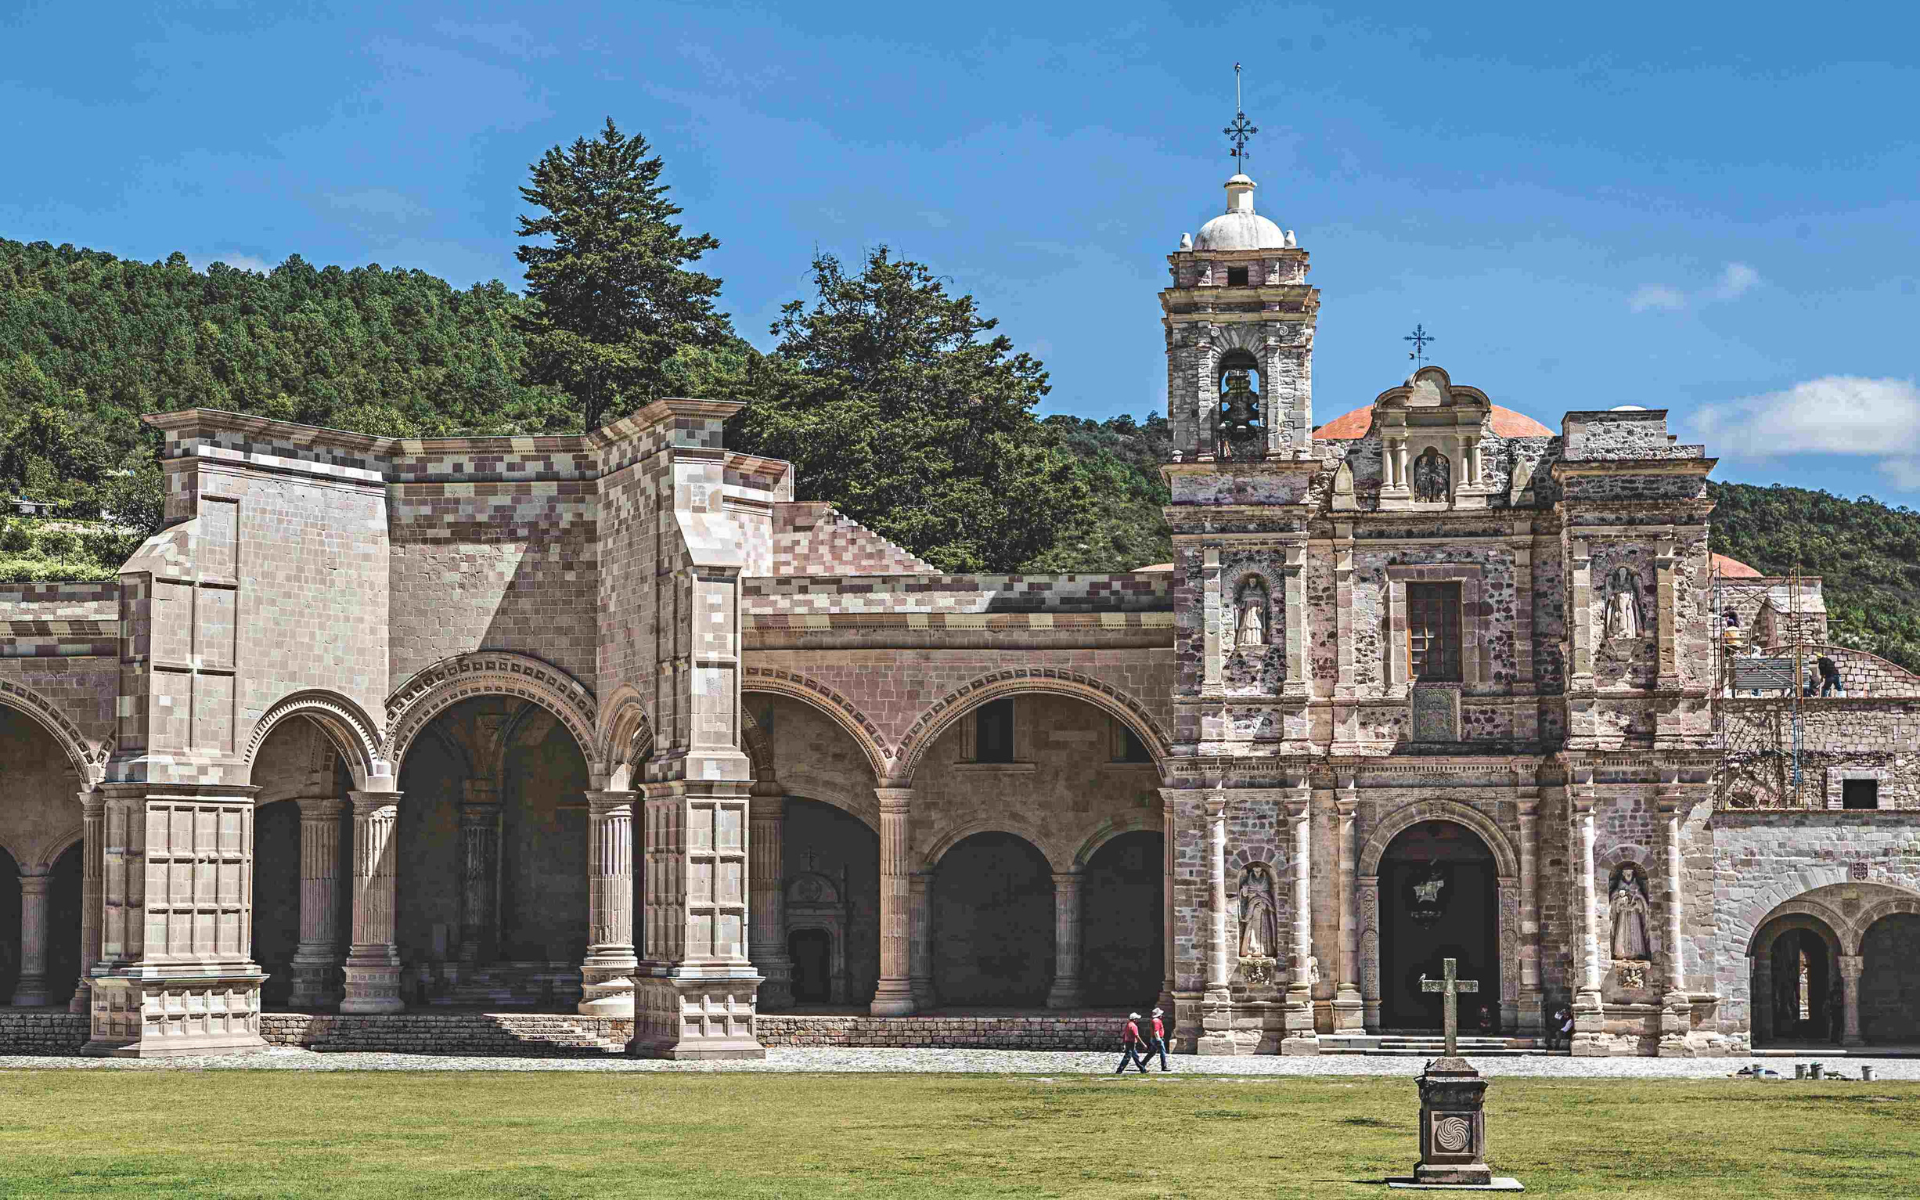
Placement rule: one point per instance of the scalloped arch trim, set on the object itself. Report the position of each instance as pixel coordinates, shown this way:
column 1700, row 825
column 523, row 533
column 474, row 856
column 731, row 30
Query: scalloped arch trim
column 89, row 761
column 488, row 673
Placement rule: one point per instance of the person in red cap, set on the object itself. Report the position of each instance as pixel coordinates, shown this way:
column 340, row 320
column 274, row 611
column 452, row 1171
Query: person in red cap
column 1130, row 1046
column 1157, row 1043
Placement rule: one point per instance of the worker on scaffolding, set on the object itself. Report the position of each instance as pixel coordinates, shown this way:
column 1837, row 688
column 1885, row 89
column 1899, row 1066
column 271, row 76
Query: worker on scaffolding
column 1829, row 677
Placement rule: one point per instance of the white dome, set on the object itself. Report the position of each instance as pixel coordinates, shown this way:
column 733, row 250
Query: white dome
column 1240, row 228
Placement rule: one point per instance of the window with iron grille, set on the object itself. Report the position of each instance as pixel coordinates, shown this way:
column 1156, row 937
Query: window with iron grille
column 1433, row 632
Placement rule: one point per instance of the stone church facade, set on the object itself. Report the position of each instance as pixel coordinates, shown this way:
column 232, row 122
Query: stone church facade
column 612, row 725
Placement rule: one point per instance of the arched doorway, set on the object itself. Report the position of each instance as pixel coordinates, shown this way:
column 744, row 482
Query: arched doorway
column 1794, row 978
column 831, row 864
column 1890, row 980
column 993, row 922
column 1122, row 931
column 1438, row 900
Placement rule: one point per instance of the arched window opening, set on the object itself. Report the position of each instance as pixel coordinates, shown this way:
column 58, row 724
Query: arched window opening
column 1241, row 418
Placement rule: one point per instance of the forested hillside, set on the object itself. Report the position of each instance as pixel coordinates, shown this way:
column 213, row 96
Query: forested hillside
column 88, row 342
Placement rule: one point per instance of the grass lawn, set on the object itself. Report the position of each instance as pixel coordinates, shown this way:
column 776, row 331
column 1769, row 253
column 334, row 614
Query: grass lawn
column 283, row 1133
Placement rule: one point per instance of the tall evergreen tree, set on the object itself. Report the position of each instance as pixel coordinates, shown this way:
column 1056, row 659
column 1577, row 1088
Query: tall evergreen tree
column 892, row 402
column 615, row 301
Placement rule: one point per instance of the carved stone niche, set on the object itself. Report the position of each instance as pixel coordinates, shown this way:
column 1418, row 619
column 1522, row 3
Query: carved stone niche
column 1431, row 433
column 1436, row 712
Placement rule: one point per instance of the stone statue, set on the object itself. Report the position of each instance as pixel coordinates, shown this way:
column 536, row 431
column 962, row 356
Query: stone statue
column 1628, row 900
column 1259, row 922
column 1252, row 629
column 1432, row 475
column 1623, row 604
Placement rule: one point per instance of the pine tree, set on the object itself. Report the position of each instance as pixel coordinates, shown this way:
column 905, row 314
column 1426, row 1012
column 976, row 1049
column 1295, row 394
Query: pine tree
column 891, row 401
column 614, row 300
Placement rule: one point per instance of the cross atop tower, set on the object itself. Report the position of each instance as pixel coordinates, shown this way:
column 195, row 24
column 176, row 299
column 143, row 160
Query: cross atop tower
column 1419, row 337
column 1241, row 130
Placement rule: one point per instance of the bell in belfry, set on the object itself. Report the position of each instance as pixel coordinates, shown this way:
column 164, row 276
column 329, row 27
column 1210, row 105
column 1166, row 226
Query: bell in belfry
column 1239, row 420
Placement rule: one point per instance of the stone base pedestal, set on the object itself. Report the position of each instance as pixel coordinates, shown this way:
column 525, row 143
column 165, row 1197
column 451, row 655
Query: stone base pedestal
column 1453, row 1131
column 682, row 1017
column 1301, row 1037
column 373, row 985
column 893, row 998
column 165, row 1017
column 1349, row 1013
column 316, row 982
column 1590, row 1038
column 606, row 992
column 1216, row 1026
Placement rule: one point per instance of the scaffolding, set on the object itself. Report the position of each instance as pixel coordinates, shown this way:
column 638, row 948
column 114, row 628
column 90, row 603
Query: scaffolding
column 1763, row 669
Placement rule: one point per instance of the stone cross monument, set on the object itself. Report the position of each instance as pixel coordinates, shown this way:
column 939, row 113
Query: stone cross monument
column 1450, row 987
column 1453, row 1131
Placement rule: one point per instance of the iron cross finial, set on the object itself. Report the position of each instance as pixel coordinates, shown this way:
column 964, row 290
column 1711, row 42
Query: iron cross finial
column 1241, row 129
column 1419, row 337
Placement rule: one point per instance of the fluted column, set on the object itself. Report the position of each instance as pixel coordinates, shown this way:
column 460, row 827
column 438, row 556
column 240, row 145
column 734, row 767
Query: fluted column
column 1588, row 1015
column 1851, row 967
column 606, row 975
column 1066, row 941
column 920, row 952
column 1531, row 1016
column 31, row 990
column 316, row 961
column 1216, row 1007
column 1676, row 1008
column 768, row 893
column 92, row 806
column 479, row 869
column 373, row 960
column 1348, row 1008
column 1301, row 1037
column 894, row 996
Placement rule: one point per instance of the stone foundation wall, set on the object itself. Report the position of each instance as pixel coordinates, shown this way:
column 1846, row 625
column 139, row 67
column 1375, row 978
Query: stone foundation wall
column 948, row 1033
column 541, row 1034
column 48, row 1032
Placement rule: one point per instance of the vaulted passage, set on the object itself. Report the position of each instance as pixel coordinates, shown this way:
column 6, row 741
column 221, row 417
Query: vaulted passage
column 1890, row 980
column 39, row 900
column 1121, row 919
column 1795, row 981
column 831, row 914
column 993, row 922
column 1437, row 901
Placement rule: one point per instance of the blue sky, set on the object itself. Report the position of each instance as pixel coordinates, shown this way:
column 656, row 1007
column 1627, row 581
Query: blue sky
column 1709, row 208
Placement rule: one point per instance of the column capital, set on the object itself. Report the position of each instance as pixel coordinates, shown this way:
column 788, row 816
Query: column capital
column 1070, row 878
column 1299, row 808
column 365, row 802
column 1671, row 802
column 91, row 801
column 1852, row 965
column 894, row 799
column 35, row 884
column 767, row 808
column 1216, row 805
column 1346, row 806
column 320, row 807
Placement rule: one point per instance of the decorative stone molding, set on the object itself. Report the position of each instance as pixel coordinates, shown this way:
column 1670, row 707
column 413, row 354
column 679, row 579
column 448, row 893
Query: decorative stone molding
column 487, row 673
column 963, row 700
column 843, row 711
column 626, row 738
column 89, row 758
column 346, row 726
column 1506, row 858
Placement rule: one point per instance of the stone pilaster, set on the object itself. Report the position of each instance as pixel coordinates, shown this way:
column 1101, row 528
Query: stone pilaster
column 1851, row 967
column 1589, row 1019
column 606, row 974
column 373, row 960
column 1301, row 1038
column 316, row 961
column 1065, row 992
column 176, row 973
column 769, row 937
column 1532, row 1014
column 1216, row 1036
column 920, row 950
column 894, row 995
column 1676, row 1009
column 1348, row 1008
column 92, row 814
column 479, row 871
column 31, row 990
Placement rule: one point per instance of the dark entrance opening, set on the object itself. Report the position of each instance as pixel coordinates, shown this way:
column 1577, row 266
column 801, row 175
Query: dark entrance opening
column 1801, row 979
column 1890, row 986
column 1122, row 932
column 992, row 900
column 1438, row 901
column 812, row 954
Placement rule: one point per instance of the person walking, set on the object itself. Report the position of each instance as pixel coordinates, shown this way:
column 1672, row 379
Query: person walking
column 1158, row 1045
column 1130, row 1045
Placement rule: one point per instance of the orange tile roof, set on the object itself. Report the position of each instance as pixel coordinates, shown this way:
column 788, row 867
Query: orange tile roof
column 1506, row 423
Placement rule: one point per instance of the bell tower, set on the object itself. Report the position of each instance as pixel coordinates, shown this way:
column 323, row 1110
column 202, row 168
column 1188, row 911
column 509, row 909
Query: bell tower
column 1239, row 318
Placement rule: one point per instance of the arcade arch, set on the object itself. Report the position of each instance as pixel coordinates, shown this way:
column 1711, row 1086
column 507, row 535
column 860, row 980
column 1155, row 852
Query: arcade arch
column 39, row 859
column 1837, row 963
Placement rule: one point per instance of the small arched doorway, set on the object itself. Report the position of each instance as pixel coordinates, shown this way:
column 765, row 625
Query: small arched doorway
column 993, row 922
column 1890, row 980
column 812, row 953
column 1438, row 900
column 1794, row 980
column 1122, row 930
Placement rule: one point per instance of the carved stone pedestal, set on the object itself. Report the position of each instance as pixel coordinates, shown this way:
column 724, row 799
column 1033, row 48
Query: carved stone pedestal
column 1453, row 1131
column 683, row 1017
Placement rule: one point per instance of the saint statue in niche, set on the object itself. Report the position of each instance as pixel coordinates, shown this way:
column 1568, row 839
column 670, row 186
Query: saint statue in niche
column 1623, row 604
column 1259, row 922
column 1252, row 611
column 1628, row 900
column 1432, row 475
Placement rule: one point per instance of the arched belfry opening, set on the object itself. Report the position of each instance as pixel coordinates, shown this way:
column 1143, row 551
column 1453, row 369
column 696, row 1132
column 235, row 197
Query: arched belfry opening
column 1241, row 415
column 1438, row 900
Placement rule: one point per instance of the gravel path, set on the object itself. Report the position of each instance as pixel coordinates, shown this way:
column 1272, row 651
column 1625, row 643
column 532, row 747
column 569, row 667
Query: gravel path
column 994, row 1062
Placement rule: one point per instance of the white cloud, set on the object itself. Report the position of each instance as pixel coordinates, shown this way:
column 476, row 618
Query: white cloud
column 1835, row 414
column 240, row 262
column 1654, row 296
column 1736, row 280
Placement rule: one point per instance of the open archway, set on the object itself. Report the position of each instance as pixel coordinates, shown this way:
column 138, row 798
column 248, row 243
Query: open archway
column 1795, row 977
column 1890, row 979
column 1439, row 899
column 41, row 773
column 992, row 923
column 1122, row 947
